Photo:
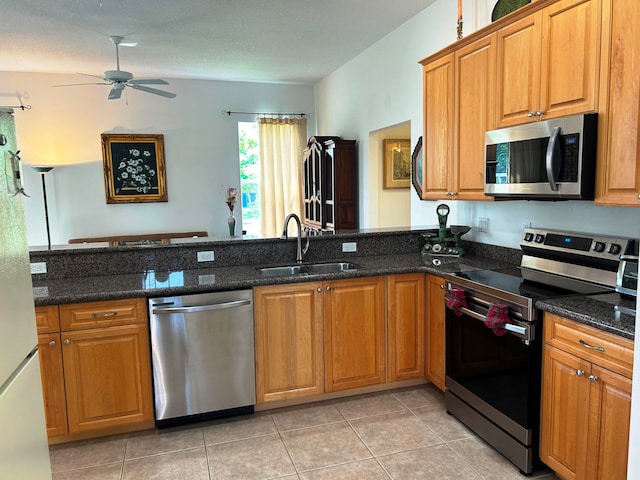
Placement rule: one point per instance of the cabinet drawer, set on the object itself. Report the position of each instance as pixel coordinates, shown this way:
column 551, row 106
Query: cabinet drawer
column 47, row 319
column 77, row 316
column 602, row 348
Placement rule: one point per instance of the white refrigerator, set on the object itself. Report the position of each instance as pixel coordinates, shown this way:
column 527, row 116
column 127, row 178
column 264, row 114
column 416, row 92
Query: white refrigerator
column 24, row 452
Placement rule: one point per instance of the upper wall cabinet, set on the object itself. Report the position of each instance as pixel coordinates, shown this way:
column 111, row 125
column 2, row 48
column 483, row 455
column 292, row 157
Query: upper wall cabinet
column 475, row 87
column 547, row 63
column 459, row 91
column 438, row 128
column 618, row 180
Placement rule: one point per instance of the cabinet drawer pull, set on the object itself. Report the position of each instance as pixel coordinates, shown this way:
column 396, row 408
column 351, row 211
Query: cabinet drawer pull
column 67, row 342
column 586, row 345
column 319, row 290
column 579, row 373
column 52, row 343
column 328, row 288
column 592, row 378
column 101, row 315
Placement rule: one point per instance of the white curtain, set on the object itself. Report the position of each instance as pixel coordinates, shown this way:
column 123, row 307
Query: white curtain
column 282, row 141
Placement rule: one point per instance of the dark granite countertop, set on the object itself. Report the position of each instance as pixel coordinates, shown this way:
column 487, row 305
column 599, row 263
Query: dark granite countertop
column 595, row 310
column 181, row 282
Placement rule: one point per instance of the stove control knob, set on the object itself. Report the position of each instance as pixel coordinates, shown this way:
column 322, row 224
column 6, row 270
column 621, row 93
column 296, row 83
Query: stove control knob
column 528, row 237
column 598, row 247
column 539, row 238
column 614, row 249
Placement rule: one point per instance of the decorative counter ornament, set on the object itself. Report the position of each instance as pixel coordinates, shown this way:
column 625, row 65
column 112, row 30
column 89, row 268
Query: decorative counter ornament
column 447, row 241
column 232, row 198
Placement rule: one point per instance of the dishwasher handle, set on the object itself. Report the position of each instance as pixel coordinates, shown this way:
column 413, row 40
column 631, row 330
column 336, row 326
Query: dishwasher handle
column 200, row 308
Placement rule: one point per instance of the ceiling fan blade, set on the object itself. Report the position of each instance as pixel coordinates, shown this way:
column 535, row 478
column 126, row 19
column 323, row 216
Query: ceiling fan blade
column 148, row 81
column 155, row 91
column 128, row 44
column 90, row 75
column 115, row 93
column 76, row 84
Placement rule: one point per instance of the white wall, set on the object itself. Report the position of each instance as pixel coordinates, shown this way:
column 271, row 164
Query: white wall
column 201, row 148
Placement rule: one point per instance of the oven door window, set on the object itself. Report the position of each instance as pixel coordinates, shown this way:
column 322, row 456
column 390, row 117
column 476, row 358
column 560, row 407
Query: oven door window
column 500, row 370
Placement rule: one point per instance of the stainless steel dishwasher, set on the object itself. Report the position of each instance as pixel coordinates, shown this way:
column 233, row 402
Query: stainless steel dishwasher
column 203, row 356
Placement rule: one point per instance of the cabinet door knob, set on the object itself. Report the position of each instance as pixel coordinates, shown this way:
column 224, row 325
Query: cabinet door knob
column 52, row 343
column 531, row 114
column 67, row 342
column 580, row 373
column 441, row 287
column 540, row 113
column 328, row 288
column 319, row 290
column 639, row 196
column 592, row 378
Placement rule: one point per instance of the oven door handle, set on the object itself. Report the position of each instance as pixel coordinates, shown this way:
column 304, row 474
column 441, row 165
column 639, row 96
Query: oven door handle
column 510, row 327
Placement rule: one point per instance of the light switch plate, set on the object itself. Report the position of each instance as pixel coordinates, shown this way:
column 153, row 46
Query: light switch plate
column 349, row 247
column 206, row 256
column 483, row 224
column 38, row 267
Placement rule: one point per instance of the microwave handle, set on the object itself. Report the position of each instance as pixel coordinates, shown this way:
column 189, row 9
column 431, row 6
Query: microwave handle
column 552, row 159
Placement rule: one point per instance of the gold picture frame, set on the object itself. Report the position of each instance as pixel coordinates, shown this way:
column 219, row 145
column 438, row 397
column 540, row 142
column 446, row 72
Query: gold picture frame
column 397, row 163
column 134, row 168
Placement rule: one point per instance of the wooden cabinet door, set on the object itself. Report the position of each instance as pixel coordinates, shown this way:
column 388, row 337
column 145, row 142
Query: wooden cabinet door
column 475, row 77
column 437, row 142
column 47, row 319
column 405, row 326
column 618, row 178
column 52, row 374
column 288, row 336
column 518, row 71
column 565, row 414
column 107, row 377
column 354, row 333
column 435, row 331
column 570, row 57
column 609, row 429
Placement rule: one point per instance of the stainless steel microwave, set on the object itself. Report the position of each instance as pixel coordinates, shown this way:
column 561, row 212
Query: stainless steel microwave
column 546, row 160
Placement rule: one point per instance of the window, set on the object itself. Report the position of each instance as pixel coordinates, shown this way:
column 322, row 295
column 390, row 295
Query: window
column 249, row 177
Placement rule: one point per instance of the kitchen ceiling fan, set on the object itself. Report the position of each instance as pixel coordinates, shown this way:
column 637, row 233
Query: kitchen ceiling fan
column 119, row 79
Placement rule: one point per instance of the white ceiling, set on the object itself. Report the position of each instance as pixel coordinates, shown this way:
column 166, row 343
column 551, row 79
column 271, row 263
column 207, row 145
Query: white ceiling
column 235, row 40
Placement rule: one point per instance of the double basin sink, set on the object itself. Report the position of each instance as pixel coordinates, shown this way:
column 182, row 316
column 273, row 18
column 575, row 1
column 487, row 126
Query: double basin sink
column 307, row 269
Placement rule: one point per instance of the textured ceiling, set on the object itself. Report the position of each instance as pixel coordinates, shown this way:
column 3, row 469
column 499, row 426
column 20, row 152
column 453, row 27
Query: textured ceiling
column 235, row 40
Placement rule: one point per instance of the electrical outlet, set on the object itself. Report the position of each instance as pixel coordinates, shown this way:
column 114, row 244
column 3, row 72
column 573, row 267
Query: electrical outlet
column 206, row 256
column 483, row 224
column 38, row 267
column 349, row 247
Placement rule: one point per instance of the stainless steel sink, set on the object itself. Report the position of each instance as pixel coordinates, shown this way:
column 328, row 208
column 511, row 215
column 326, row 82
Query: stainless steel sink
column 308, row 269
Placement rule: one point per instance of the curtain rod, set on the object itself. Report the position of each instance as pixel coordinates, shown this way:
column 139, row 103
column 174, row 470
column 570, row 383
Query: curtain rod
column 19, row 107
column 229, row 113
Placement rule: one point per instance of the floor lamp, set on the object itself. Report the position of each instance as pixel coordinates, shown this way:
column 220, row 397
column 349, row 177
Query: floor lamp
column 42, row 171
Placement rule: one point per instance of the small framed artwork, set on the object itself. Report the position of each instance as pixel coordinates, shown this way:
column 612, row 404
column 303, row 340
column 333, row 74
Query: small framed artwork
column 134, row 168
column 397, row 164
column 417, row 168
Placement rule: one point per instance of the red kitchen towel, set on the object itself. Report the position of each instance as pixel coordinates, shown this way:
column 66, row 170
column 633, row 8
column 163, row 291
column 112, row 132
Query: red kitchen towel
column 497, row 316
column 456, row 300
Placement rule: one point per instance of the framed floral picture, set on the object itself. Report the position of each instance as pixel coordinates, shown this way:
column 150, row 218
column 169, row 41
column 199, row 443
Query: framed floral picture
column 134, row 168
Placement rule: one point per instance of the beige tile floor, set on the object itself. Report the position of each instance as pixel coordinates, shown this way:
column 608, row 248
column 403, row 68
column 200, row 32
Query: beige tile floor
column 400, row 434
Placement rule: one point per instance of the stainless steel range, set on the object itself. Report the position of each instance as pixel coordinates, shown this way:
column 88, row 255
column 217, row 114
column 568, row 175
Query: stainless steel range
column 494, row 334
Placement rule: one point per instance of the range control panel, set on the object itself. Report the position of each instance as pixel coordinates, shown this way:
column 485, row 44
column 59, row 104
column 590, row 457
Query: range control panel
column 596, row 246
